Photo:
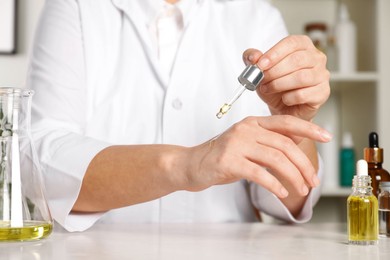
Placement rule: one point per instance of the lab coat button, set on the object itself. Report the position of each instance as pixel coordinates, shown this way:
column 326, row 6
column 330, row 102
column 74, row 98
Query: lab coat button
column 177, row 104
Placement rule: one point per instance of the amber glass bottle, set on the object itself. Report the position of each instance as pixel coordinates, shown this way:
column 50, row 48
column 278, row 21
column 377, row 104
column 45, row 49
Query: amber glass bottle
column 374, row 157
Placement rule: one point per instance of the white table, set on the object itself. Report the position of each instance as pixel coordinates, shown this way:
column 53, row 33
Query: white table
column 198, row 241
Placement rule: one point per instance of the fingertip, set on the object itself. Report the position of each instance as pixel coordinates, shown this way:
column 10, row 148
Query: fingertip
column 264, row 63
column 283, row 193
column 249, row 59
column 304, row 190
column 251, row 56
column 325, row 135
column 315, row 181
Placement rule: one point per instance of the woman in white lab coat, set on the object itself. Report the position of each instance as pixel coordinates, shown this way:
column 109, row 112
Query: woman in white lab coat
column 124, row 122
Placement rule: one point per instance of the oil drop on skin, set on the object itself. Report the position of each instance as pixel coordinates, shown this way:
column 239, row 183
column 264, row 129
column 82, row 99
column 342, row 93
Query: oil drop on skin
column 362, row 209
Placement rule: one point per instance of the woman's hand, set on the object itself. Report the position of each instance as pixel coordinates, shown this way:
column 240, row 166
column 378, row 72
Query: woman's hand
column 260, row 149
column 264, row 150
column 296, row 81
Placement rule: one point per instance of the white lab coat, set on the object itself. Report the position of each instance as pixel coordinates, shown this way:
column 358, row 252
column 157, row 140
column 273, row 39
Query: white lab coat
column 97, row 82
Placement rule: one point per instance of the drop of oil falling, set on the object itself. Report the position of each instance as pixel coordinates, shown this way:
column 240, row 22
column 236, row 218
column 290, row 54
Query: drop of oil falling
column 223, row 110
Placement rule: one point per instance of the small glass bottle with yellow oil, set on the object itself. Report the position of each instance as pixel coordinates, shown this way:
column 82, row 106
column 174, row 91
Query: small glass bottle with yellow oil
column 362, row 209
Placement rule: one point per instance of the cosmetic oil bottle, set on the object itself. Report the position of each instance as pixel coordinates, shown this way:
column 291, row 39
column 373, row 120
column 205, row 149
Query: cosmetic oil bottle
column 347, row 160
column 384, row 208
column 374, row 157
column 346, row 36
column 362, row 209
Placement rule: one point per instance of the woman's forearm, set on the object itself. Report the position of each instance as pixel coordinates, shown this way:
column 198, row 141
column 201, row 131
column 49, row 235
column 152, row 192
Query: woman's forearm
column 123, row 175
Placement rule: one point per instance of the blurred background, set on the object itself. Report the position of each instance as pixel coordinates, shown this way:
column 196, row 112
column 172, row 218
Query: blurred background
column 360, row 79
column 13, row 67
column 359, row 65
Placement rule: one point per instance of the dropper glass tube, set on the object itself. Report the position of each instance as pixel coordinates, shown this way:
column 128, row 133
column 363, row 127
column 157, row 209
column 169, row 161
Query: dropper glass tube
column 249, row 79
column 226, row 107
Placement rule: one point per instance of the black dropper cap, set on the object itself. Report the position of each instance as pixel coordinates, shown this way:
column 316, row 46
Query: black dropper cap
column 373, row 140
column 373, row 154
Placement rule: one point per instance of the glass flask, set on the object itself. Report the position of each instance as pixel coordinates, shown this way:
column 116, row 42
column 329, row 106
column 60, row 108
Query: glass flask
column 24, row 214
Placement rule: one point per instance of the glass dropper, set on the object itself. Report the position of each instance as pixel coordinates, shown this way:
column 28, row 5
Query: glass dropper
column 226, row 107
column 249, row 79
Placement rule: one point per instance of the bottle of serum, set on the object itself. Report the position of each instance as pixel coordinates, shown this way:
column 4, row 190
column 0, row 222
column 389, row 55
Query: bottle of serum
column 362, row 209
column 374, row 157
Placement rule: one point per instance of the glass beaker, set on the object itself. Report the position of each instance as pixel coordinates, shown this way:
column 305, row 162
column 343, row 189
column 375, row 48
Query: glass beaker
column 24, row 214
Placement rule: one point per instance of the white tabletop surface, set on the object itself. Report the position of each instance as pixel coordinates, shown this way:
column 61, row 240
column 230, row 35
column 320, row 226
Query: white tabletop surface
column 198, row 241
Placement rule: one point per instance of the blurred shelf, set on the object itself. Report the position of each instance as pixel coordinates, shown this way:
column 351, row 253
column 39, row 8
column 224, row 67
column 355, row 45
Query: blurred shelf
column 369, row 76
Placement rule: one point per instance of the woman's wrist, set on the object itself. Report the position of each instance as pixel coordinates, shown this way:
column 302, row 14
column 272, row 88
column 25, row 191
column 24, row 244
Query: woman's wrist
column 175, row 164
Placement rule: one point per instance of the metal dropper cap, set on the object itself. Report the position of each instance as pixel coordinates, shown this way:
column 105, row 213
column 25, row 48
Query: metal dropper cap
column 251, row 77
column 373, row 154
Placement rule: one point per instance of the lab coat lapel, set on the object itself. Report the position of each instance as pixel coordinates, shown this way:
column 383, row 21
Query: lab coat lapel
column 130, row 9
column 184, row 51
